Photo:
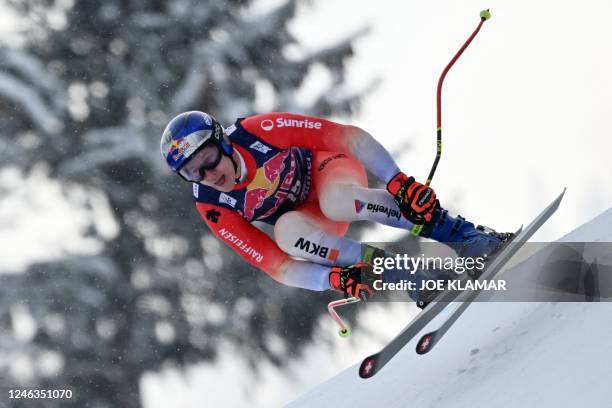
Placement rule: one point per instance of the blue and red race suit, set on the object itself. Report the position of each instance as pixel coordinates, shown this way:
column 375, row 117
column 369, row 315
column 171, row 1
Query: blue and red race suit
column 277, row 150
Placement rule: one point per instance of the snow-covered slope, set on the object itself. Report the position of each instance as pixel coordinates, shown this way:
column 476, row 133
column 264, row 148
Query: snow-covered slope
column 497, row 355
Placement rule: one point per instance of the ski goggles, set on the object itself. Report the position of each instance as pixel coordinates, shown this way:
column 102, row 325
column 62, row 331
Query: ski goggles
column 205, row 158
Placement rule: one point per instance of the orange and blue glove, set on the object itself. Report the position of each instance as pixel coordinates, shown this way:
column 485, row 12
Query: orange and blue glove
column 354, row 280
column 416, row 201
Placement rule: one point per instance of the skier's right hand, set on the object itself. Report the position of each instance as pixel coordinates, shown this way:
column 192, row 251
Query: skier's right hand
column 416, row 201
column 354, row 280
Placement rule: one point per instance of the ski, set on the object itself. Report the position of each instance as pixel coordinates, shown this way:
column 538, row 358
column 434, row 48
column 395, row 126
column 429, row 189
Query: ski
column 429, row 340
column 372, row 364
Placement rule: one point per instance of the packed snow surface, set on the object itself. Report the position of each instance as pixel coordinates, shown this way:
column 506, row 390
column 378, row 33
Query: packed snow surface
column 498, row 354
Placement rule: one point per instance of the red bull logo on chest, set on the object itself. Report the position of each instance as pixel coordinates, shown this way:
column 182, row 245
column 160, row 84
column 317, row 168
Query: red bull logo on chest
column 265, row 184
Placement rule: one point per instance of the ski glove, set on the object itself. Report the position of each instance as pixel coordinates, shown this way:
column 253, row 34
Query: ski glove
column 416, row 201
column 354, row 280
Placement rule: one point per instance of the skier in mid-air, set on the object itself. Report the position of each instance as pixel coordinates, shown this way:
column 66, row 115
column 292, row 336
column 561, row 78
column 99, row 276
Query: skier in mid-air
column 306, row 176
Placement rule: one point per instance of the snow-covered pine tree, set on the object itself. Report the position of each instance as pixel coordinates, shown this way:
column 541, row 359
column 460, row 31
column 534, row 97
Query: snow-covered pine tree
column 88, row 95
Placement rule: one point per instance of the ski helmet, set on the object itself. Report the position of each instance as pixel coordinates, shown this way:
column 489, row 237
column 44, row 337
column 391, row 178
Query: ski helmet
column 187, row 133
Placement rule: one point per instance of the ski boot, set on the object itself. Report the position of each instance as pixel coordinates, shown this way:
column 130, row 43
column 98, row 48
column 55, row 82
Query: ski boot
column 462, row 236
column 503, row 238
column 467, row 240
column 426, row 296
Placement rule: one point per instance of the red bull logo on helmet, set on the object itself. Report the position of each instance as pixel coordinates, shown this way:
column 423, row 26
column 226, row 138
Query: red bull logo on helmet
column 184, row 134
column 178, row 148
column 183, row 147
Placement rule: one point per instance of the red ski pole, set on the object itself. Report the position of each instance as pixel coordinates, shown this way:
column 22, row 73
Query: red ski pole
column 484, row 16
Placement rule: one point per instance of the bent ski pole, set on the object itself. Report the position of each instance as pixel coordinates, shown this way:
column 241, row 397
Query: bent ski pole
column 345, row 329
column 484, row 16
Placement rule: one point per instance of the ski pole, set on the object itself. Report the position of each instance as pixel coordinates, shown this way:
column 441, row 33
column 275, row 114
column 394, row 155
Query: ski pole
column 484, row 16
column 345, row 329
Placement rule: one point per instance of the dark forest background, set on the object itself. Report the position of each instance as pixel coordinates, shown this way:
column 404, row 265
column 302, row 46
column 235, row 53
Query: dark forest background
column 87, row 95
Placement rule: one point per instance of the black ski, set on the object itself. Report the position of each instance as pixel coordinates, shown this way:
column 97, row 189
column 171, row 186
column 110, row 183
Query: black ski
column 429, row 340
column 372, row 364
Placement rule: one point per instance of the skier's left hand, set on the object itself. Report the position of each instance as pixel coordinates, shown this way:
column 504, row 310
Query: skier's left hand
column 354, row 280
column 416, row 201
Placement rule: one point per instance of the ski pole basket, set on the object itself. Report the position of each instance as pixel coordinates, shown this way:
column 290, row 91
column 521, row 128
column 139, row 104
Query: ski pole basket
column 344, row 330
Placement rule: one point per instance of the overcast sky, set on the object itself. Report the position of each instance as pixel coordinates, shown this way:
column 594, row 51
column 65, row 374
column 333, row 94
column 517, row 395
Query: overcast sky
column 526, row 110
